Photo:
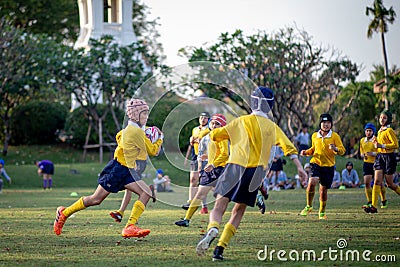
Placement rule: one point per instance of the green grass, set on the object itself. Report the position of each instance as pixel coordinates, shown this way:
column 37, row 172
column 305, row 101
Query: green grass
column 92, row 238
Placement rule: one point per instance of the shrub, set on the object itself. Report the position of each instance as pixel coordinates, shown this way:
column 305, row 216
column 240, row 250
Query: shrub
column 77, row 123
column 37, row 122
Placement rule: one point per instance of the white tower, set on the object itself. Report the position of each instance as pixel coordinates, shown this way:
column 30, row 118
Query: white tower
column 114, row 19
column 104, row 17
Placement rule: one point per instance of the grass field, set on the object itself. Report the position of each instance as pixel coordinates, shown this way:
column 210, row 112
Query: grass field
column 92, row 238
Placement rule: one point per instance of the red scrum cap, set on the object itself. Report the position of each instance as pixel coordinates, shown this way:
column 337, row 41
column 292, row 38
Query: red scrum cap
column 219, row 118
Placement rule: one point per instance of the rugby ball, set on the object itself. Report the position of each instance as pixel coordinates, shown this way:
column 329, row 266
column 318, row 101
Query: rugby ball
column 152, row 133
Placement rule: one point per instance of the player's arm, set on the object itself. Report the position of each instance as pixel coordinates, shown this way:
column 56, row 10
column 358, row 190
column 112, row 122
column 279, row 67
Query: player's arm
column 153, row 148
column 220, row 134
column 222, row 157
column 289, row 150
column 362, row 152
column 339, row 148
column 393, row 143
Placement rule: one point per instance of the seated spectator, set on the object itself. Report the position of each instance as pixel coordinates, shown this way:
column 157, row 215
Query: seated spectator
column 396, row 178
column 350, row 176
column 336, row 182
column 162, row 183
column 4, row 174
column 282, row 182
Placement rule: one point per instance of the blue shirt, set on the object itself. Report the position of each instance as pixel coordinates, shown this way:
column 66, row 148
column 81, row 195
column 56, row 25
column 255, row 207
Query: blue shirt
column 4, row 173
column 351, row 177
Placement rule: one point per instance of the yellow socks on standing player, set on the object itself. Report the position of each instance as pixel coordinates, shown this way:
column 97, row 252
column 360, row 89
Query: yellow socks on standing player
column 310, row 197
column 137, row 210
column 376, row 191
column 322, row 206
column 194, row 205
column 227, row 234
column 368, row 194
column 383, row 193
column 77, row 206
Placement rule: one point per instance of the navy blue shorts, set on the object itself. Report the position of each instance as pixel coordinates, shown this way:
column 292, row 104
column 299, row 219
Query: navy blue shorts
column 386, row 162
column 210, row 178
column 325, row 174
column 47, row 168
column 277, row 165
column 240, row 184
column 368, row 168
column 114, row 177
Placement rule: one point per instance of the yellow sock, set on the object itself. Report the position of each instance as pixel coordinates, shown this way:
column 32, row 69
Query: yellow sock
column 77, row 206
column 322, row 206
column 310, row 197
column 227, row 234
column 137, row 210
column 194, row 205
column 121, row 212
column 376, row 191
column 368, row 194
column 383, row 193
column 213, row 224
column 397, row 190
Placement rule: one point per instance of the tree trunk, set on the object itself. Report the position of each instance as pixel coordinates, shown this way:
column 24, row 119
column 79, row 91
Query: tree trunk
column 87, row 140
column 7, row 135
column 101, row 140
column 386, row 69
column 114, row 116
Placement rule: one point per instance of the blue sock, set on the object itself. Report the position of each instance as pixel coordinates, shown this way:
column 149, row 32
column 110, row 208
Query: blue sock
column 44, row 183
column 50, row 183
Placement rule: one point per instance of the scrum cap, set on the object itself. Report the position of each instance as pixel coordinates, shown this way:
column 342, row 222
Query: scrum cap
column 262, row 99
column 135, row 107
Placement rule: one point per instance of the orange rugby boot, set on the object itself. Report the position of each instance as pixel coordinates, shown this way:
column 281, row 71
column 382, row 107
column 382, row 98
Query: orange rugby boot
column 134, row 231
column 59, row 221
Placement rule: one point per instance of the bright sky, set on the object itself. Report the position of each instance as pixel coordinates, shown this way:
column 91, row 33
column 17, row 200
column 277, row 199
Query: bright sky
column 341, row 24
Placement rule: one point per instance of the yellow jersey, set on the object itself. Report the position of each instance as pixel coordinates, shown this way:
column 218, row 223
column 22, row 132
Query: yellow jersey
column 251, row 139
column 320, row 152
column 386, row 136
column 134, row 145
column 367, row 145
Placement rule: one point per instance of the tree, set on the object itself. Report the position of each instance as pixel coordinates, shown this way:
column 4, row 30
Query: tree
column 23, row 70
column 300, row 74
column 36, row 17
column 379, row 24
column 58, row 19
column 107, row 73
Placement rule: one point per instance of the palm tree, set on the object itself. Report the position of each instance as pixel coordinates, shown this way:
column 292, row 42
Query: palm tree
column 379, row 24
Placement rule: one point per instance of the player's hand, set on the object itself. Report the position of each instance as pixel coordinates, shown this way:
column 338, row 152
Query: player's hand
column 333, row 147
column 208, row 167
column 161, row 134
column 303, row 153
column 302, row 174
column 204, row 157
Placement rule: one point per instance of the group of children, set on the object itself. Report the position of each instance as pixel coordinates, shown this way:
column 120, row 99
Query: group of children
column 237, row 158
